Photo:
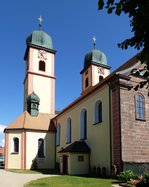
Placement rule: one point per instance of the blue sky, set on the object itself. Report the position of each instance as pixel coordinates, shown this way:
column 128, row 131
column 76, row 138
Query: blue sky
column 72, row 25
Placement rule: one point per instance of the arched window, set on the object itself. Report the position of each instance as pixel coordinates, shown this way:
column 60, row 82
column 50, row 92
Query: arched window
column 86, row 82
column 68, row 131
column 41, row 148
column 140, row 107
column 16, row 145
column 98, row 112
column 58, row 129
column 42, row 66
column 83, row 124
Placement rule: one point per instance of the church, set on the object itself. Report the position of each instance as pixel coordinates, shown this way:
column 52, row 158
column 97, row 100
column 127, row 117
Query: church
column 106, row 128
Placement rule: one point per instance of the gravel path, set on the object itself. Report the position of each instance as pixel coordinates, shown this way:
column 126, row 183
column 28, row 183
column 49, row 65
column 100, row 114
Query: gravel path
column 10, row 179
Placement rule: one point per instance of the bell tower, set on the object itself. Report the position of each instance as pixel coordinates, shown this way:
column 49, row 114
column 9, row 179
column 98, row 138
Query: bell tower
column 95, row 68
column 39, row 71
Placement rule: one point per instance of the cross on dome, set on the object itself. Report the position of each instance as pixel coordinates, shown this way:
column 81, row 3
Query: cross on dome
column 94, row 41
column 40, row 21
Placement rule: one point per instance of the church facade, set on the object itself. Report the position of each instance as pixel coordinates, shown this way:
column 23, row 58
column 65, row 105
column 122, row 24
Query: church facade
column 104, row 130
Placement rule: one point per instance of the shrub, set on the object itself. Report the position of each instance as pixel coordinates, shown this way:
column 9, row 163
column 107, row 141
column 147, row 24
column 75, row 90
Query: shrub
column 126, row 176
column 146, row 177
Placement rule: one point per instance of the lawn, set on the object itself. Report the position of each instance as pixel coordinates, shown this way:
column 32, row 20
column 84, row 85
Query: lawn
column 70, row 181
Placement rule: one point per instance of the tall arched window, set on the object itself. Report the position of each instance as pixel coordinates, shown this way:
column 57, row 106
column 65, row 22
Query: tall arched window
column 68, row 131
column 42, row 66
column 86, row 82
column 41, row 148
column 58, row 129
column 16, row 145
column 98, row 112
column 140, row 107
column 83, row 124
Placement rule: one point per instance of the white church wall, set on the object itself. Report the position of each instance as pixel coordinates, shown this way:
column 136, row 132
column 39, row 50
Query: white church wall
column 14, row 159
column 32, row 150
column 98, row 135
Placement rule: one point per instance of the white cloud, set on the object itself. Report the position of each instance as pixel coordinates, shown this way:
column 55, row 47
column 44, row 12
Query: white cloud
column 2, row 127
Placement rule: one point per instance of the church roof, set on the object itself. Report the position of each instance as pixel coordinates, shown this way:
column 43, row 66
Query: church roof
column 77, row 146
column 42, row 122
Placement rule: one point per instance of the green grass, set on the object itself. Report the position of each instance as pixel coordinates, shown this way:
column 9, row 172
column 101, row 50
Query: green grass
column 70, row 181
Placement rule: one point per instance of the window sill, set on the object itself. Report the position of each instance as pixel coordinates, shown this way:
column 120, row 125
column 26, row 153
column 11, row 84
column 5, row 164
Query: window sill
column 97, row 123
column 68, row 142
column 14, row 153
column 41, row 158
column 82, row 139
column 137, row 119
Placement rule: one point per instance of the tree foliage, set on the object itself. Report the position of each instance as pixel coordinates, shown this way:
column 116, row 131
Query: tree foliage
column 138, row 12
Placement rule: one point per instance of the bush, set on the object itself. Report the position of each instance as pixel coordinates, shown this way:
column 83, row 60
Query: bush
column 126, row 176
column 146, row 177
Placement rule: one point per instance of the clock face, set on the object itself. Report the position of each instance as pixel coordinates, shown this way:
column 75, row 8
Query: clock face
column 101, row 70
column 42, row 54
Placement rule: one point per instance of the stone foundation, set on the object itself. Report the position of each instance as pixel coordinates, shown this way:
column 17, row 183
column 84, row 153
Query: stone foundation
column 138, row 168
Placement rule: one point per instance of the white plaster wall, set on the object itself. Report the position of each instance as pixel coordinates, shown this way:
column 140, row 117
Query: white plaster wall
column 45, row 88
column 14, row 160
column 32, row 149
column 76, row 167
column 98, row 136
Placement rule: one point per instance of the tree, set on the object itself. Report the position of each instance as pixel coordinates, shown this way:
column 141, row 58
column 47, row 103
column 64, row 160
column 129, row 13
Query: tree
column 138, row 12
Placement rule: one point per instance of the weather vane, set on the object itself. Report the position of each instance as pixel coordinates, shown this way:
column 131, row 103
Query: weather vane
column 94, row 41
column 40, row 22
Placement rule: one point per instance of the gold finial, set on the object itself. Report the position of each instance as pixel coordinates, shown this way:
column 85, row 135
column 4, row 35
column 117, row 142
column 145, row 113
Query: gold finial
column 40, row 22
column 94, row 41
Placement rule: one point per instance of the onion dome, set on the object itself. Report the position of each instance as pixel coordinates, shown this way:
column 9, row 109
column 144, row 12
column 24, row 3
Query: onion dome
column 41, row 39
column 33, row 104
column 95, row 57
column 33, row 98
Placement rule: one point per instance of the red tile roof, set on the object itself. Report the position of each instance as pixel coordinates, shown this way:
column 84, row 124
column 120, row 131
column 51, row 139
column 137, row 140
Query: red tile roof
column 26, row 121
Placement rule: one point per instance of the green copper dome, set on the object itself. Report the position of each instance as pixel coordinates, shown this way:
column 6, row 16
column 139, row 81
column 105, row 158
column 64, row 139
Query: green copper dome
column 33, row 98
column 33, row 104
column 95, row 57
column 41, row 39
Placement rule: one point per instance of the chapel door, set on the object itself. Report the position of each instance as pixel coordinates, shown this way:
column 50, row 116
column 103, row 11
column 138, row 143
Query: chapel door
column 65, row 164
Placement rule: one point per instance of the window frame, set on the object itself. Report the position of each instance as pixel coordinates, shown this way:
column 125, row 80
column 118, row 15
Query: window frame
column 139, row 107
column 68, row 131
column 83, row 124
column 41, row 153
column 98, row 112
column 86, row 82
column 58, row 134
column 42, row 66
column 15, row 145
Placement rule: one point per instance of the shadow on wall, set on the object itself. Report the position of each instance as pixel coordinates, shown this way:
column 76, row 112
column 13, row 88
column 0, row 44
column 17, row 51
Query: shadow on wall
column 45, row 156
